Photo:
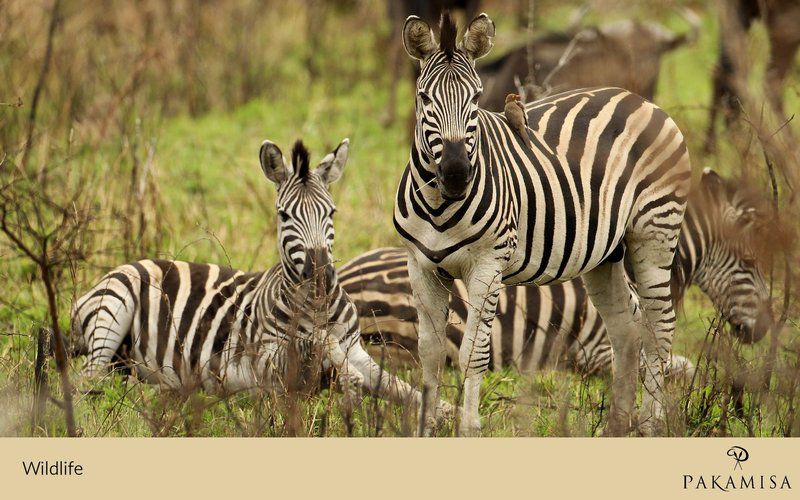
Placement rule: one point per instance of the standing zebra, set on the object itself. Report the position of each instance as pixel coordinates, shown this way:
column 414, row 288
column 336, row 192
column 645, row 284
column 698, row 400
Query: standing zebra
column 605, row 183
column 556, row 325
column 182, row 323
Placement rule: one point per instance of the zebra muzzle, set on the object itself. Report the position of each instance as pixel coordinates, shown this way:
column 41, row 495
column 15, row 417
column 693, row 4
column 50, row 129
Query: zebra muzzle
column 454, row 170
column 753, row 331
column 318, row 268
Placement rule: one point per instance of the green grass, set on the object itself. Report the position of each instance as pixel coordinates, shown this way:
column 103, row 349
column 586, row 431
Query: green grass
column 216, row 206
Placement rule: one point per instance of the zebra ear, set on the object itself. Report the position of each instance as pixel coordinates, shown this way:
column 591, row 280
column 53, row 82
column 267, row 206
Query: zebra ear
column 479, row 37
column 332, row 166
column 712, row 181
column 272, row 163
column 418, row 38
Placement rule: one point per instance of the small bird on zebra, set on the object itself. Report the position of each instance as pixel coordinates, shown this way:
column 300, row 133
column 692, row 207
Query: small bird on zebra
column 556, row 326
column 184, row 325
column 517, row 117
column 603, row 185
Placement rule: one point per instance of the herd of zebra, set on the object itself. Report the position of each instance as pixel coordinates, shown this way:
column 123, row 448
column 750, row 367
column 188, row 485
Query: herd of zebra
column 573, row 252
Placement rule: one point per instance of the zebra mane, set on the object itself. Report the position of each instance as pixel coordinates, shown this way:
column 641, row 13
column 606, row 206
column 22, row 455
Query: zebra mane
column 447, row 34
column 300, row 159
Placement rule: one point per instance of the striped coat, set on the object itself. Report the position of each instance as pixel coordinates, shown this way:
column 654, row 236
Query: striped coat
column 183, row 324
column 557, row 325
column 605, row 181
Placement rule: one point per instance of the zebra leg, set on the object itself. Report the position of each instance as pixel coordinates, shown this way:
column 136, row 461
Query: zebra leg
column 378, row 381
column 350, row 378
column 651, row 259
column 612, row 296
column 432, row 300
column 483, row 289
column 385, row 385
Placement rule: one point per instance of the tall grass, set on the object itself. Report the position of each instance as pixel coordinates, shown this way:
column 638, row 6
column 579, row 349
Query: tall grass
column 153, row 112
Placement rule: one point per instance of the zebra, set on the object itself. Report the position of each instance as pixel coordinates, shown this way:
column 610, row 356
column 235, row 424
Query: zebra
column 556, row 325
column 184, row 324
column 605, row 183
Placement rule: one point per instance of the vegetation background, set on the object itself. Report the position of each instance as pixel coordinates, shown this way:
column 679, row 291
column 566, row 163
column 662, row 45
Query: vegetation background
column 131, row 129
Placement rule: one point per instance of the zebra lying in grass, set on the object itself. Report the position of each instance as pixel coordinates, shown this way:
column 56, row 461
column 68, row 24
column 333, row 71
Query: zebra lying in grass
column 556, row 325
column 181, row 324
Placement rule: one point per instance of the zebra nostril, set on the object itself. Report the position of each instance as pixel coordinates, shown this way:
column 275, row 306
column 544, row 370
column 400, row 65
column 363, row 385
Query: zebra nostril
column 308, row 267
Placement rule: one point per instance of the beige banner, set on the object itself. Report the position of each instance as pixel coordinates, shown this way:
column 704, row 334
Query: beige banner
column 400, row 468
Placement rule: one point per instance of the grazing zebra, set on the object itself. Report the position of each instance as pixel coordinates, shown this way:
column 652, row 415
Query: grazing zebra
column 184, row 323
column 557, row 325
column 605, row 183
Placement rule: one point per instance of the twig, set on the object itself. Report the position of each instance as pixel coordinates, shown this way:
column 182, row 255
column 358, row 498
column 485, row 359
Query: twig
column 40, row 389
column 530, row 78
column 60, row 353
column 769, row 365
column 37, row 91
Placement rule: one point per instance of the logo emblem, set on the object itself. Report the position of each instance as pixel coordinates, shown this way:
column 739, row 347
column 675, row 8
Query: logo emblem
column 739, row 454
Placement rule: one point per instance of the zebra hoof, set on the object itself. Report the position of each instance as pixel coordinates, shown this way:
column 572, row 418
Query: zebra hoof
column 470, row 430
column 353, row 382
column 617, row 426
column 608, row 431
column 650, row 428
column 469, row 426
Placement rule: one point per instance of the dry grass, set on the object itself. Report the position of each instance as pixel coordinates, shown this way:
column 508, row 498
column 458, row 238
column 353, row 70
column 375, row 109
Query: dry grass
column 149, row 118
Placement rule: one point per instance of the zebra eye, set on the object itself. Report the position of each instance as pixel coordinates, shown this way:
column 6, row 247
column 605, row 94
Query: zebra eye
column 477, row 97
column 749, row 260
column 748, row 215
column 333, row 211
column 283, row 214
column 425, row 99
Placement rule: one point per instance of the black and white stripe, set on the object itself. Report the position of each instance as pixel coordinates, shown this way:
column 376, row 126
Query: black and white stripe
column 607, row 177
column 556, row 325
column 181, row 324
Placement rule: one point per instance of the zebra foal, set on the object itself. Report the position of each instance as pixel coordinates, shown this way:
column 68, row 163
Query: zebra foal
column 604, row 184
column 181, row 323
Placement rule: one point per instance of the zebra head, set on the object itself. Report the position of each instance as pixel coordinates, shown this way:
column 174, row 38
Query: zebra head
column 729, row 270
column 448, row 90
column 305, row 209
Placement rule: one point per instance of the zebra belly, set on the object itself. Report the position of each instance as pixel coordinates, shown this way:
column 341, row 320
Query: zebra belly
column 554, row 274
column 231, row 368
column 564, row 250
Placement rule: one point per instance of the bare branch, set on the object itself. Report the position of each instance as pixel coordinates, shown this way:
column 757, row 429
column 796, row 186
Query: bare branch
column 37, row 91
